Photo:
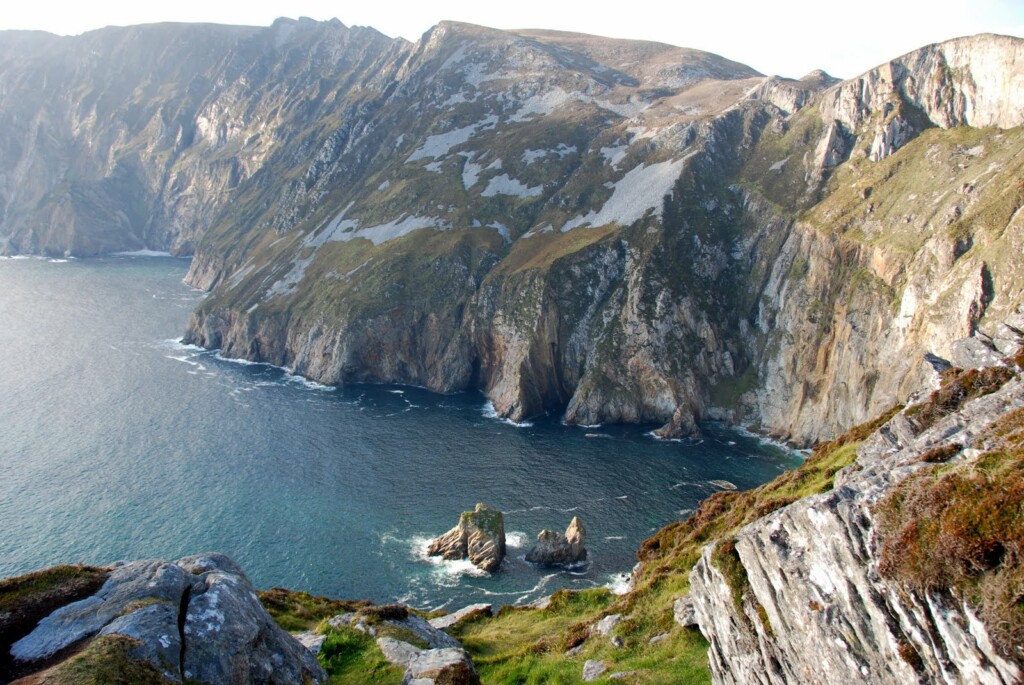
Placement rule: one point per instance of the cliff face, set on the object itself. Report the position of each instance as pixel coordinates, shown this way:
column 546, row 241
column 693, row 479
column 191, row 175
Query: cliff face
column 783, row 252
column 505, row 230
column 138, row 137
column 619, row 230
column 876, row 580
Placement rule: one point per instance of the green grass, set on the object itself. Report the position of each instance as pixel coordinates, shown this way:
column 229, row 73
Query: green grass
column 523, row 645
column 298, row 611
column 104, row 661
column 489, row 521
column 16, row 592
column 352, row 657
column 542, row 250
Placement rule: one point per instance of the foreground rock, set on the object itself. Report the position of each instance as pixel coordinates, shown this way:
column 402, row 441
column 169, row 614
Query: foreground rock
column 555, row 549
column 472, row 611
column 196, row 619
column 443, row 661
column 480, row 537
column 810, row 594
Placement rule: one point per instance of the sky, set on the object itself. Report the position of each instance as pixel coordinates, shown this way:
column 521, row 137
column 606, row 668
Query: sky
column 785, row 37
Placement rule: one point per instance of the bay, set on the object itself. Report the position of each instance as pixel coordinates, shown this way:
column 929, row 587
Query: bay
column 118, row 442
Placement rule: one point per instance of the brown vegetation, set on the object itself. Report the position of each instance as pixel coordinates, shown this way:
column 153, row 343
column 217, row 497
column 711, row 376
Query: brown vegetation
column 958, row 388
column 959, row 529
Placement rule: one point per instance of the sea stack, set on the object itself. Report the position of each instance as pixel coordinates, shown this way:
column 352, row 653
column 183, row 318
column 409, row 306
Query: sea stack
column 555, row 549
column 480, row 536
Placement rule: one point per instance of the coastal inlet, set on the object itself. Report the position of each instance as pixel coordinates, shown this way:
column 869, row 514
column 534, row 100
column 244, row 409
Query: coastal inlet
column 121, row 443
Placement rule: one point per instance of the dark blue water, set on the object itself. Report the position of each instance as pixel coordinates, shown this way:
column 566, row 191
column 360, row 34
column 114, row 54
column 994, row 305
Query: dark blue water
column 117, row 442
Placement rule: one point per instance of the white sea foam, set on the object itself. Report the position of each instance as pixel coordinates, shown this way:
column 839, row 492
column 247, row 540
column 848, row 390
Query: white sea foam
column 143, row 253
column 516, row 539
column 614, row 537
column 491, row 413
column 242, row 362
column 177, row 344
column 303, row 381
column 620, row 583
column 446, row 572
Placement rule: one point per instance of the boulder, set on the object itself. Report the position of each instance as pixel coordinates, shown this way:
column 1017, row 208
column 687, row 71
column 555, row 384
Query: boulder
column 448, row 666
column 397, row 652
column 480, row 537
column 449, row 620
column 555, row 549
column 128, row 587
column 593, row 669
column 229, row 637
column 607, row 624
column 684, row 612
column 196, row 619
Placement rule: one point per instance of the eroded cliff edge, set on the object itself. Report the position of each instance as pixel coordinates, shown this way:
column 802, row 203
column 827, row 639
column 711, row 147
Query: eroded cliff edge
column 697, row 242
column 908, row 570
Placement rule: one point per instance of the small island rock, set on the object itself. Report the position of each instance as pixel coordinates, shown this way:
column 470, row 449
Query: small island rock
column 555, row 549
column 480, row 536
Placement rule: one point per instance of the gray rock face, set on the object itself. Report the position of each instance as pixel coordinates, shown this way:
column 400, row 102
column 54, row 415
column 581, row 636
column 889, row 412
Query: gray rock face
column 128, row 585
column 684, row 612
column 555, row 549
column 441, row 666
column 397, row 652
column 479, row 536
column 456, row 617
column 156, row 629
column 818, row 610
column 607, row 624
column 593, row 669
column 682, row 285
column 197, row 618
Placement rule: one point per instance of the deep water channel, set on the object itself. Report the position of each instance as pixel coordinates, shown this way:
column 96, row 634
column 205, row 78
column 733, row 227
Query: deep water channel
column 117, row 442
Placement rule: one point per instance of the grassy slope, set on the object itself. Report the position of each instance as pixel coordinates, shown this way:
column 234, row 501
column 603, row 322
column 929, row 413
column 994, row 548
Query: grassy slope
column 527, row 645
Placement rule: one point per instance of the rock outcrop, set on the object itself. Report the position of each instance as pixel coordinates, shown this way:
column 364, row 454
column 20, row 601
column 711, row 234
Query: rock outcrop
column 555, row 549
column 479, row 537
column 811, row 594
column 441, row 660
column 465, row 613
column 193, row 620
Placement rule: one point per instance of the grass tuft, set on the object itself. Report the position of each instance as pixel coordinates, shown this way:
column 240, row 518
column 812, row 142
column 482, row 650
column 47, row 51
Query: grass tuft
column 298, row 611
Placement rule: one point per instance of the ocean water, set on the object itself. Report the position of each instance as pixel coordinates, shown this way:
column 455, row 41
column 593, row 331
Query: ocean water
column 118, row 442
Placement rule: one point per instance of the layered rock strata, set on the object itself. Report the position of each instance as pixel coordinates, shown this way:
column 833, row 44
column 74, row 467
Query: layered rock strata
column 479, row 537
column 810, row 596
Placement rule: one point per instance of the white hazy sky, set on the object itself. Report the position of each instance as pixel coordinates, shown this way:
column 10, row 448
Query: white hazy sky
column 787, row 37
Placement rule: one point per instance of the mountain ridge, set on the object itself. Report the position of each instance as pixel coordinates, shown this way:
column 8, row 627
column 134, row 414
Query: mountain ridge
column 569, row 223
